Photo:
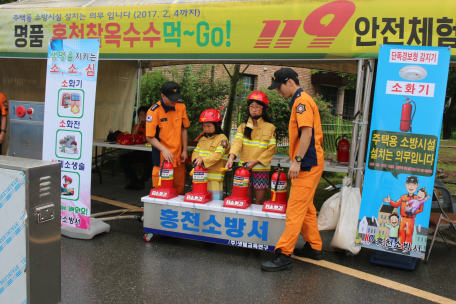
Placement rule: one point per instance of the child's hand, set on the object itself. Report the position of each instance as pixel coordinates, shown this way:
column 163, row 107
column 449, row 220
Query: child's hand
column 250, row 164
column 229, row 163
column 198, row 161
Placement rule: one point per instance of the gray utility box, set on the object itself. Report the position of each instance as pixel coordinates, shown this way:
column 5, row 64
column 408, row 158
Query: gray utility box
column 26, row 129
column 29, row 231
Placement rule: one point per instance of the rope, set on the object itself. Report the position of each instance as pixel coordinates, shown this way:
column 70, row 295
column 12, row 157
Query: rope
column 126, row 211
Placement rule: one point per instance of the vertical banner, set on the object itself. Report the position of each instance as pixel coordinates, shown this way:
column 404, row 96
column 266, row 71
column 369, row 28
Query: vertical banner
column 403, row 148
column 71, row 80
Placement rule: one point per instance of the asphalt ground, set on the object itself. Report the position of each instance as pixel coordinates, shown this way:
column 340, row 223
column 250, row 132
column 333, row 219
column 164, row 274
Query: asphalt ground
column 120, row 267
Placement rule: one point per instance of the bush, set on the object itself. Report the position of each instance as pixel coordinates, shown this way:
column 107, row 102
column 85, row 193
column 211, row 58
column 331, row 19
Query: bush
column 199, row 92
column 279, row 110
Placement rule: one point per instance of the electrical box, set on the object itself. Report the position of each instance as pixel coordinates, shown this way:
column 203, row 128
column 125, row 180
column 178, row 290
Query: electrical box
column 26, row 129
column 29, row 231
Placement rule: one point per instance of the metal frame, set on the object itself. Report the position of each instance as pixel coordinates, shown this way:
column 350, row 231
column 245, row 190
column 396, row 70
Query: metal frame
column 442, row 214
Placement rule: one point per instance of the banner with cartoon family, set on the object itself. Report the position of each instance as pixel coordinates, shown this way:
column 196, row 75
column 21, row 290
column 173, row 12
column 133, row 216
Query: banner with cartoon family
column 403, row 148
column 71, row 80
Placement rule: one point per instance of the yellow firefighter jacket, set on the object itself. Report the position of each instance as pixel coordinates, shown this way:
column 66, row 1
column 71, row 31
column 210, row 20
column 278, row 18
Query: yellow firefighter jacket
column 261, row 147
column 214, row 152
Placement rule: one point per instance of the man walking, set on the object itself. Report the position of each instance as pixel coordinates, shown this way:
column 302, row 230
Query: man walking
column 306, row 137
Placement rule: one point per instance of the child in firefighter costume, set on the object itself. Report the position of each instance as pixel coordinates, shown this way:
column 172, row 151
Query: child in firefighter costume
column 255, row 139
column 212, row 152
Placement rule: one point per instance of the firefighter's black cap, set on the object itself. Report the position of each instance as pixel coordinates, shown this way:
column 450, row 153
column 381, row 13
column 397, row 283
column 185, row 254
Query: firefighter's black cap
column 412, row 180
column 171, row 90
column 281, row 76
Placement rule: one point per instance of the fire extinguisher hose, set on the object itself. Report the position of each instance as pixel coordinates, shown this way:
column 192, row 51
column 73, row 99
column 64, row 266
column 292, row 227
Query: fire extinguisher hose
column 234, row 170
column 277, row 182
column 161, row 171
column 413, row 115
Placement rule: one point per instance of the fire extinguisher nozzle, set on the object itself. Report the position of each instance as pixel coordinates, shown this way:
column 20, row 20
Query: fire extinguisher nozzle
column 274, row 197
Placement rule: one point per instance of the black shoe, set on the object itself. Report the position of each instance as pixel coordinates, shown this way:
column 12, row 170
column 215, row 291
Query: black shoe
column 140, row 185
column 308, row 252
column 278, row 262
column 131, row 184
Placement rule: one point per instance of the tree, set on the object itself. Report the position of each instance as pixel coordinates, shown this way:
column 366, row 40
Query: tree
column 199, row 91
column 279, row 110
column 234, row 79
column 449, row 114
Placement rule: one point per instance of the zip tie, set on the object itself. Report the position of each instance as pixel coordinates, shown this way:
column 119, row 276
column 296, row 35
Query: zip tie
column 357, row 169
column 361, row 122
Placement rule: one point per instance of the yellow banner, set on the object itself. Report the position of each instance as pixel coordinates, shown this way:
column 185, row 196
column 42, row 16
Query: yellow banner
column 236, row 30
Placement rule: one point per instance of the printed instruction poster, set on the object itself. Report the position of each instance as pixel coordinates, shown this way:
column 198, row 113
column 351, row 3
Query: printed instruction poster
column 71, row 81
column 403, row 148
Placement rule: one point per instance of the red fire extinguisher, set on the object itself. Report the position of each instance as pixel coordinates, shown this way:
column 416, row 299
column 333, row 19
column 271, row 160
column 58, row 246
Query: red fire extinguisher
column 238, row 198
column 407, row 116
column 199, row 193
column 278, row 202
column 343, row 149
column 165, row 189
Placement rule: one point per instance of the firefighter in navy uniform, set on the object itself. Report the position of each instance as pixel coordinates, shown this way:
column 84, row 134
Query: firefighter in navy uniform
column 166, row 131
column 306, row 153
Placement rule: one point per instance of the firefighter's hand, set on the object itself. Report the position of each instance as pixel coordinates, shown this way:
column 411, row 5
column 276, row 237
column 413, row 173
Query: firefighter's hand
column 2, row 137
column 198, row 161
column 294, row 170
column 167, row 155
column 250, row 164
column 184, row 156
column 387, row 200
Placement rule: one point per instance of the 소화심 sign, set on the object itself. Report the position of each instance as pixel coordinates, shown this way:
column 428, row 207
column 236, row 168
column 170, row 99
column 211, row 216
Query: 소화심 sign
column 71, row 80
column 403, row 146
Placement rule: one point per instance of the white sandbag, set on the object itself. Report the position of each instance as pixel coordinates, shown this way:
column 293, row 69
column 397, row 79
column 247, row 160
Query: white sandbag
column 344, row 237
column 330, row 211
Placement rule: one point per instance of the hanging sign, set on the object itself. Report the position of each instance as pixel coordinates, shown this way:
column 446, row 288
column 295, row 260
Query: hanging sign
column 256, row 30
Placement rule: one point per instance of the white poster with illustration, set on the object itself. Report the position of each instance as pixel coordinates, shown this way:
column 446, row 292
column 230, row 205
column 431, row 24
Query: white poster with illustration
column 71, row 81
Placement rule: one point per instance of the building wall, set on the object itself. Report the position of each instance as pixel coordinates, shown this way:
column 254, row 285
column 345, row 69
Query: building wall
column 263, row 75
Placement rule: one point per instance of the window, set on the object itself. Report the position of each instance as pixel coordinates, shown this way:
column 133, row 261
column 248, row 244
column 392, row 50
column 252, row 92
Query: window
column 349, row 104
column 249, row 84
column 330, row 95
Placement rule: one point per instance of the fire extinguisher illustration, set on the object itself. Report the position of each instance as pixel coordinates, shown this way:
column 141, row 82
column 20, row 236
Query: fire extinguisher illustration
column 407, row 116
column 343, row 149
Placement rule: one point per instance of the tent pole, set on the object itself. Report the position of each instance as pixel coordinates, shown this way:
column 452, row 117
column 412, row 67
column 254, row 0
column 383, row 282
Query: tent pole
column 138, row 92
column 359, row 96
column 364, row 135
